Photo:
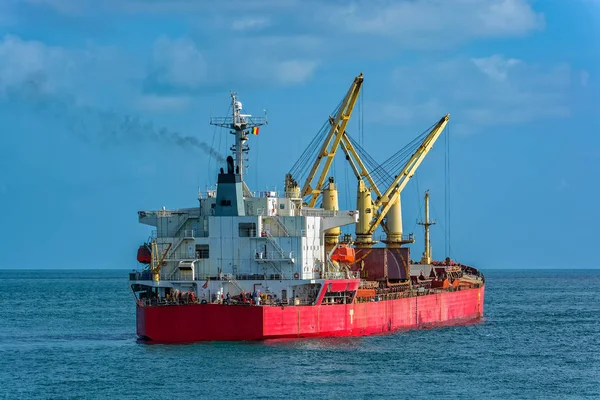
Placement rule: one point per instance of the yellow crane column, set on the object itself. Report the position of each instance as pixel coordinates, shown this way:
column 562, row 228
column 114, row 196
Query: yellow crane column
column 292, row 190
column 364, row 205
column 393, row 222
column 390, row 198
column 330, row 202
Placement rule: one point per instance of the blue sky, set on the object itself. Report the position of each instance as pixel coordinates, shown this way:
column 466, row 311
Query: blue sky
column 91, row 94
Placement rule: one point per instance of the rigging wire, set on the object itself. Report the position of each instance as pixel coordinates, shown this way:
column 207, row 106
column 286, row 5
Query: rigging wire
column 445, row 196
column 256, row 165
column 347, row 185
column 361, row 131
column 301, row 167
column 377, row 173
column 418, row 197
column 449, row 198
column 333, row 163
column 447, row 193
column 381, row 172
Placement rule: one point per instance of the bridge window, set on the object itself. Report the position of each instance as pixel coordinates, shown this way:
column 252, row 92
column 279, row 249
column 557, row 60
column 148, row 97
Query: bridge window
column 202, row 251
column 247, row 229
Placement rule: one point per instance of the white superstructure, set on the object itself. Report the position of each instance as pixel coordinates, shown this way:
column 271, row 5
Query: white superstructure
column 236, row 240
column 276, row 238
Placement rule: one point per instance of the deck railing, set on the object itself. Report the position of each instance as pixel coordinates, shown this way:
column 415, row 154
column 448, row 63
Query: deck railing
column 187, row 300
column 341, row 275
column 318, row 213
column 273, row 255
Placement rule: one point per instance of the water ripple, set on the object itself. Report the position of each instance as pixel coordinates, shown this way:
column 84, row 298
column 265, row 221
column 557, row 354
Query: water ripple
column 71, row 334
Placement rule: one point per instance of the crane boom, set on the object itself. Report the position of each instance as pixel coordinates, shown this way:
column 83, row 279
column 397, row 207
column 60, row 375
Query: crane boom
column 332, row 142
column 357, row 165
column 393, row 192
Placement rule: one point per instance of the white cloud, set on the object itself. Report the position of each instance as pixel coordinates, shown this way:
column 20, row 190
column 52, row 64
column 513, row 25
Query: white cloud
column 434, row 22
column 93, row 76
column 165, row 7
column 284, row 73
column 294, row 72
column 505, row 17
column 479, row 92
column 178, row 62
column 31, row 62
column 281, row 46
column 584, row 78
column 246, row 24
column 156, row 103
column 178, row 66
column 496, row 66
column 68, row 7
column 409, row 23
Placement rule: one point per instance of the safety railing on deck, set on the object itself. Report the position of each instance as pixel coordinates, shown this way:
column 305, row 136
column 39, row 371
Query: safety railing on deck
column 235, row 300
column 172, row 301
column 185, row 234
column 180, row 255
column 414, row 291
column 405, row 238
column 341, row 275
column 273, row 255
column 318, row 213
column 247, row 120
column 202, row 277
column 179, row 276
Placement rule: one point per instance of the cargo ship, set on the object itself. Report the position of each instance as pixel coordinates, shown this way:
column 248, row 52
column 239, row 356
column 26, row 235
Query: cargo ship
column 245, row 265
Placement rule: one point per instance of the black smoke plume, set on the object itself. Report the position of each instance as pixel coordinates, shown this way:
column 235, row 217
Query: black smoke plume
column 94, row 126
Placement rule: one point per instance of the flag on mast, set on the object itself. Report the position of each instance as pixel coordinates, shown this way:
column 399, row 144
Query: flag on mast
column 255, row 130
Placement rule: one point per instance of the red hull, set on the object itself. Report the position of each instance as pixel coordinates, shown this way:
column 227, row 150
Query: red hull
column 202, row 322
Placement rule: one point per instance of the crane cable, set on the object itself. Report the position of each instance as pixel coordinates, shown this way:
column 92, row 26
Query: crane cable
column 384, row 174
column 301, row 167
column 447, row 192
column 374, row 168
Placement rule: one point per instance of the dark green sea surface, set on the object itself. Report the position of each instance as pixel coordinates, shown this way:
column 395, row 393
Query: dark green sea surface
column 71, row 334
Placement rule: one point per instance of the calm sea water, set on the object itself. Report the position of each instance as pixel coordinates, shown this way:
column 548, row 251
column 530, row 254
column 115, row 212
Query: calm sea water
column 71, row 334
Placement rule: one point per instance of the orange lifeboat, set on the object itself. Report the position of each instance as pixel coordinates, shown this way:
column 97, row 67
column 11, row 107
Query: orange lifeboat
column 343, row 253
column 144, row 254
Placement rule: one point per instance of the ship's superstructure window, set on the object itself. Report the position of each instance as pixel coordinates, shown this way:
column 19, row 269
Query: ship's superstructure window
column 282, row 206
column 226, row 202
column 247, row 229
column 202, row 251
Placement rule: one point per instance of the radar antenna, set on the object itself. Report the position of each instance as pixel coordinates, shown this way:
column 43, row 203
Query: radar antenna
column 240, row 125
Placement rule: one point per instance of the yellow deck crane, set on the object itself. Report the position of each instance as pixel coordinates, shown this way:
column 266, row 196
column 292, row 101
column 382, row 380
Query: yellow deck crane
column 330, row 144
column 390, row 200
column 371, row 213
column 157, row 261
column 386, row 205
column 325, row 156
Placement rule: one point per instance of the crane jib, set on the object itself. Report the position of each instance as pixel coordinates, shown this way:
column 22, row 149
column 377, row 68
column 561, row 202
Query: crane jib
column 332, row 141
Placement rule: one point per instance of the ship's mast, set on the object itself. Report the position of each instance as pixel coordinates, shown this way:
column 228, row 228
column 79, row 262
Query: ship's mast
column 426, row 259
column 240, row 125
